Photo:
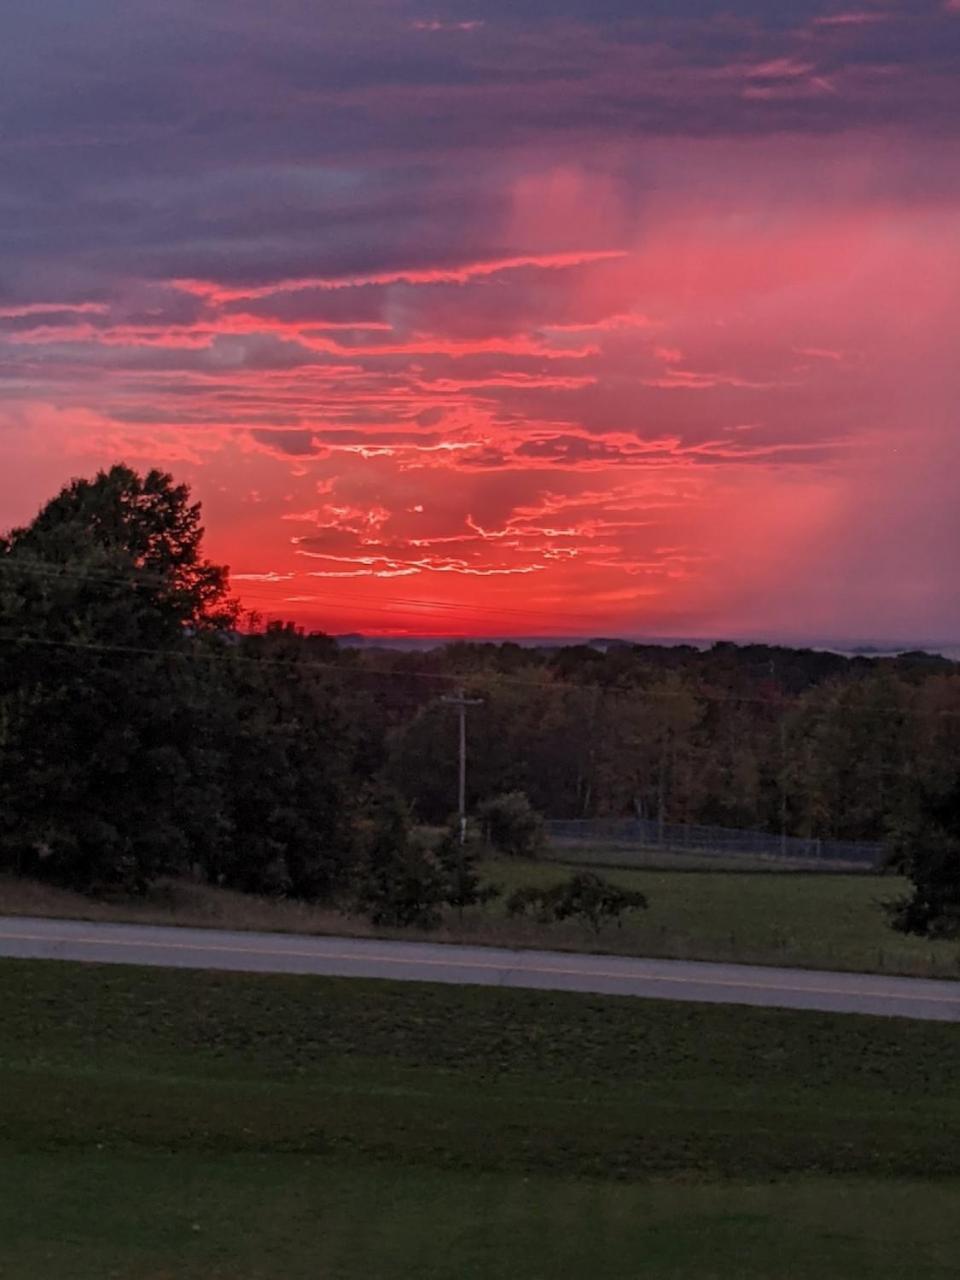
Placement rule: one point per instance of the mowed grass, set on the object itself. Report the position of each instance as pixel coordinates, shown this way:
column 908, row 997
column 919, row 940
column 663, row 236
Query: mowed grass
column 176, row 1124
column 297, row 1218
column 812, row 921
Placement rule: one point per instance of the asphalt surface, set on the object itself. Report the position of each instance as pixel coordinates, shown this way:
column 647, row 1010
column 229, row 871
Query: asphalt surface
column 45, row 939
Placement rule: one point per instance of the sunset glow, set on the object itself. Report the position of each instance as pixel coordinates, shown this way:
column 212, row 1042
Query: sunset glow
column 569, row 318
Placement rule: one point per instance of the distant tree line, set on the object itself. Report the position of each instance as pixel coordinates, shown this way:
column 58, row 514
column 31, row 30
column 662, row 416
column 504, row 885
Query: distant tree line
column 144, row 731
column 806, row 743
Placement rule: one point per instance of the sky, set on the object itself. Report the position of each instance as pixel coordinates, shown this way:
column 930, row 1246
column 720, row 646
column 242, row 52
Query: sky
column 580, row 317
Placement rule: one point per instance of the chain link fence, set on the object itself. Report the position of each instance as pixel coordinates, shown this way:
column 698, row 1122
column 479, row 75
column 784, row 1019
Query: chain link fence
column 632, row 840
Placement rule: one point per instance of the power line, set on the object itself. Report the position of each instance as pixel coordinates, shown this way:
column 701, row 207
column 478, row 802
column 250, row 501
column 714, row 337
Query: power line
column 396, row 606
column 136, row 576
column 548, row 686
column 140, row 576
column 541, row 686
column 408, row 602
column 228, row 658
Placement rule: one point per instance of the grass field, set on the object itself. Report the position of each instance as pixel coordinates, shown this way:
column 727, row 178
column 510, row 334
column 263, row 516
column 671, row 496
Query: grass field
column 175, row 1124
column 292, row 1218
column 811, row 921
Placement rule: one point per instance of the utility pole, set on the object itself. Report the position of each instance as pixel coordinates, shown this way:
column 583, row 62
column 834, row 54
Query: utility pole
column 461, row 702
column 783, row 784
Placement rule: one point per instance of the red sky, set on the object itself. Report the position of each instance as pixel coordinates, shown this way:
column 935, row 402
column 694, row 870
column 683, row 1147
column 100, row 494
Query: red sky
column 577, row 318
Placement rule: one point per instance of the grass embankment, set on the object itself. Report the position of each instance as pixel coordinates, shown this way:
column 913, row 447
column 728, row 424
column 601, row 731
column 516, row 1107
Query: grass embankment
column 158, row 1124
column 810, row 921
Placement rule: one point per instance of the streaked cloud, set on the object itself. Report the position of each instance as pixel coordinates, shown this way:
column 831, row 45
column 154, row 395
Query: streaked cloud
column 625, row 305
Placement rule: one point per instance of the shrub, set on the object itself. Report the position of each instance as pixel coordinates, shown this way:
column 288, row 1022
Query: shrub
column 512, row 826
column 584, row 896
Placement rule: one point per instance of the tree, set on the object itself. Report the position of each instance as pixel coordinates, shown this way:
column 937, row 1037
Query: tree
column 106, row 609
column 287, row 785
column 644, row 749
column 463, row 885
column 512, row 826
column 139, row 532
column 848, row 748
column 400, row 882
column 926, row 847
column 584, row 896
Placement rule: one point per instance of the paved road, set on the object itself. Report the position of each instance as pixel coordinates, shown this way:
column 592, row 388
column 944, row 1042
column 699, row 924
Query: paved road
column 29, row 938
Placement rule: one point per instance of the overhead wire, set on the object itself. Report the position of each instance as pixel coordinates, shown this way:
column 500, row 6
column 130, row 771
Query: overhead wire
column 140, row 576
column 357, row 670
column 226, row 656
column 456, row 678
column 145, row 577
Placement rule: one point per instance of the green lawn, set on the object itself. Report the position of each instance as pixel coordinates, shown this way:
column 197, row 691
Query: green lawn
column 812, row 921
column 176, row 1124
column 293, row 1218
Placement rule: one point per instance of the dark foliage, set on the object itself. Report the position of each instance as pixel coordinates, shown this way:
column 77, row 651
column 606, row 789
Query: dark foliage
column 585, row 897
column 139, row 734
column 511, row 825
column 400, row 882
column 460, row 863
column 926, row 847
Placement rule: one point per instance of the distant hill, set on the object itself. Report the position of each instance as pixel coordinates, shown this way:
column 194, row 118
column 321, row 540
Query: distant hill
column 848, row 648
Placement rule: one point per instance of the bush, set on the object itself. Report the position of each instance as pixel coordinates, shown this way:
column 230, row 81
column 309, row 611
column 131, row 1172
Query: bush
column 584, row 896
column 512, row 826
